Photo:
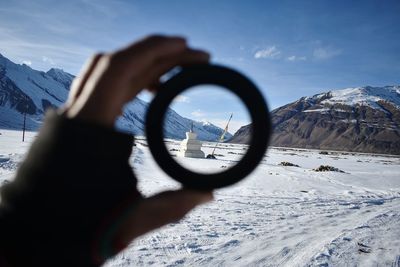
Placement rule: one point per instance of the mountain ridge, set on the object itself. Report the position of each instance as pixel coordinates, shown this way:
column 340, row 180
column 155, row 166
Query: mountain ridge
column 360, row 119
column 25, row 90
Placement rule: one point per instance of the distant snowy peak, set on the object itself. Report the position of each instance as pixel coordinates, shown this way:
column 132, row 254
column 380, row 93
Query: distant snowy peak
column 55, row 74
column 38, row 89
column 205, row 123
column 61, row 76
column 175, row 126
column 368, row 96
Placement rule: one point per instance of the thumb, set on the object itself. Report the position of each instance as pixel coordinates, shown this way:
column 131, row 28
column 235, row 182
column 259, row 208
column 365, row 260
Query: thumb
column 156, row 211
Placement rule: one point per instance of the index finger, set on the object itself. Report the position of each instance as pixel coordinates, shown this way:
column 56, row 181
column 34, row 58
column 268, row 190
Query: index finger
column 153, row 48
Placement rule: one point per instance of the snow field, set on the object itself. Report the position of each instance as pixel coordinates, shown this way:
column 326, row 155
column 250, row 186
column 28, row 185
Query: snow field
column 278, row 216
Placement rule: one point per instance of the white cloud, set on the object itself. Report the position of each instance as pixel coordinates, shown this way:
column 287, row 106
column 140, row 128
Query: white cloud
column 27, row 62
column 182, row 99
column 297, row 58
column 270, row 52
column 48, row 60
column 198, row 113
column 326, row 52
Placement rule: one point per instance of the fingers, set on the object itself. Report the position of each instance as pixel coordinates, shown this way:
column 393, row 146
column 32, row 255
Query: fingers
column 112, row 80
column 187, row 57
column 159, row 210
column 144, row 62
column 150, row 49
column 80, row 81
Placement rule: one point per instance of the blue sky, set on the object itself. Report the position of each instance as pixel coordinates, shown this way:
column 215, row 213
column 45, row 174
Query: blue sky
column 288, row 48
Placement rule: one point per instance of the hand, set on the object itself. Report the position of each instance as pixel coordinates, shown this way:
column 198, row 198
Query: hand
column 111, row 80
column 98, row 95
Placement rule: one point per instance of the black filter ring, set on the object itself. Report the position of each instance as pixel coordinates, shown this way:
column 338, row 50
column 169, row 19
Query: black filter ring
column 238, row 84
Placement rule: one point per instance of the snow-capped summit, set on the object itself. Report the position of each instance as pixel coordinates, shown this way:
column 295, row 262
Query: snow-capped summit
column 364, row 119
column 206, row 122
column 25, row 90
column 22, row 85
column 363, row 96
column 61, row 76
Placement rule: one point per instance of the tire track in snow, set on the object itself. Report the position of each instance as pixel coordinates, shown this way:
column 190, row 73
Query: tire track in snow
column 364, row 244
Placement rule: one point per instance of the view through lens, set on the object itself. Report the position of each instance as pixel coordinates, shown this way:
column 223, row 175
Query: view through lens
column 202, row 129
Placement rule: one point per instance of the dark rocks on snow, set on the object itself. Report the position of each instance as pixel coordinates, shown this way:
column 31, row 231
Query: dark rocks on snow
column 286, row 163
column 327, row 168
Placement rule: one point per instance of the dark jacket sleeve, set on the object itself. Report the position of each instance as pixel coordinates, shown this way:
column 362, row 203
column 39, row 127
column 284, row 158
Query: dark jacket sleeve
column 67, row 195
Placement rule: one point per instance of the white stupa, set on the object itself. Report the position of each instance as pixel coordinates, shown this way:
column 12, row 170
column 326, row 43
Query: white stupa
column 191, row 147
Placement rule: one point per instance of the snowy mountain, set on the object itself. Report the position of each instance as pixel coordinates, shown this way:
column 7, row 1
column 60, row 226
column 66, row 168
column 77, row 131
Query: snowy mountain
column 61, row 76
column 364, row 119
column 175, row 126
column 23, row 89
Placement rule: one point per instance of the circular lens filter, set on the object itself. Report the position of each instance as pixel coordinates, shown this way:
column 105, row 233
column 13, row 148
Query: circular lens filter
column 233, row 81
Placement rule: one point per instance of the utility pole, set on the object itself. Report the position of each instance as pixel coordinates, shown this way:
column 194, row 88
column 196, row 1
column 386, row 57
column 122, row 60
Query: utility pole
column 221, row 139
column 23, row 129
column 24, row 124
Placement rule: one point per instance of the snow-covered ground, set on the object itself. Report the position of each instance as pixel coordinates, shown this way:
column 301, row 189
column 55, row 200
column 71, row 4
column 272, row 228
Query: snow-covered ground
column 278, row 216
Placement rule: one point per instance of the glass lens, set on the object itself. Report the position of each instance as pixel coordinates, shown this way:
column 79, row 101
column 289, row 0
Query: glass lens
column 207, row 129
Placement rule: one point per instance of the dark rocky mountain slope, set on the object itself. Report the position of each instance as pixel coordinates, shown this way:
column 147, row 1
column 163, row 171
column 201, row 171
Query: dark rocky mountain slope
column 363, row 119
